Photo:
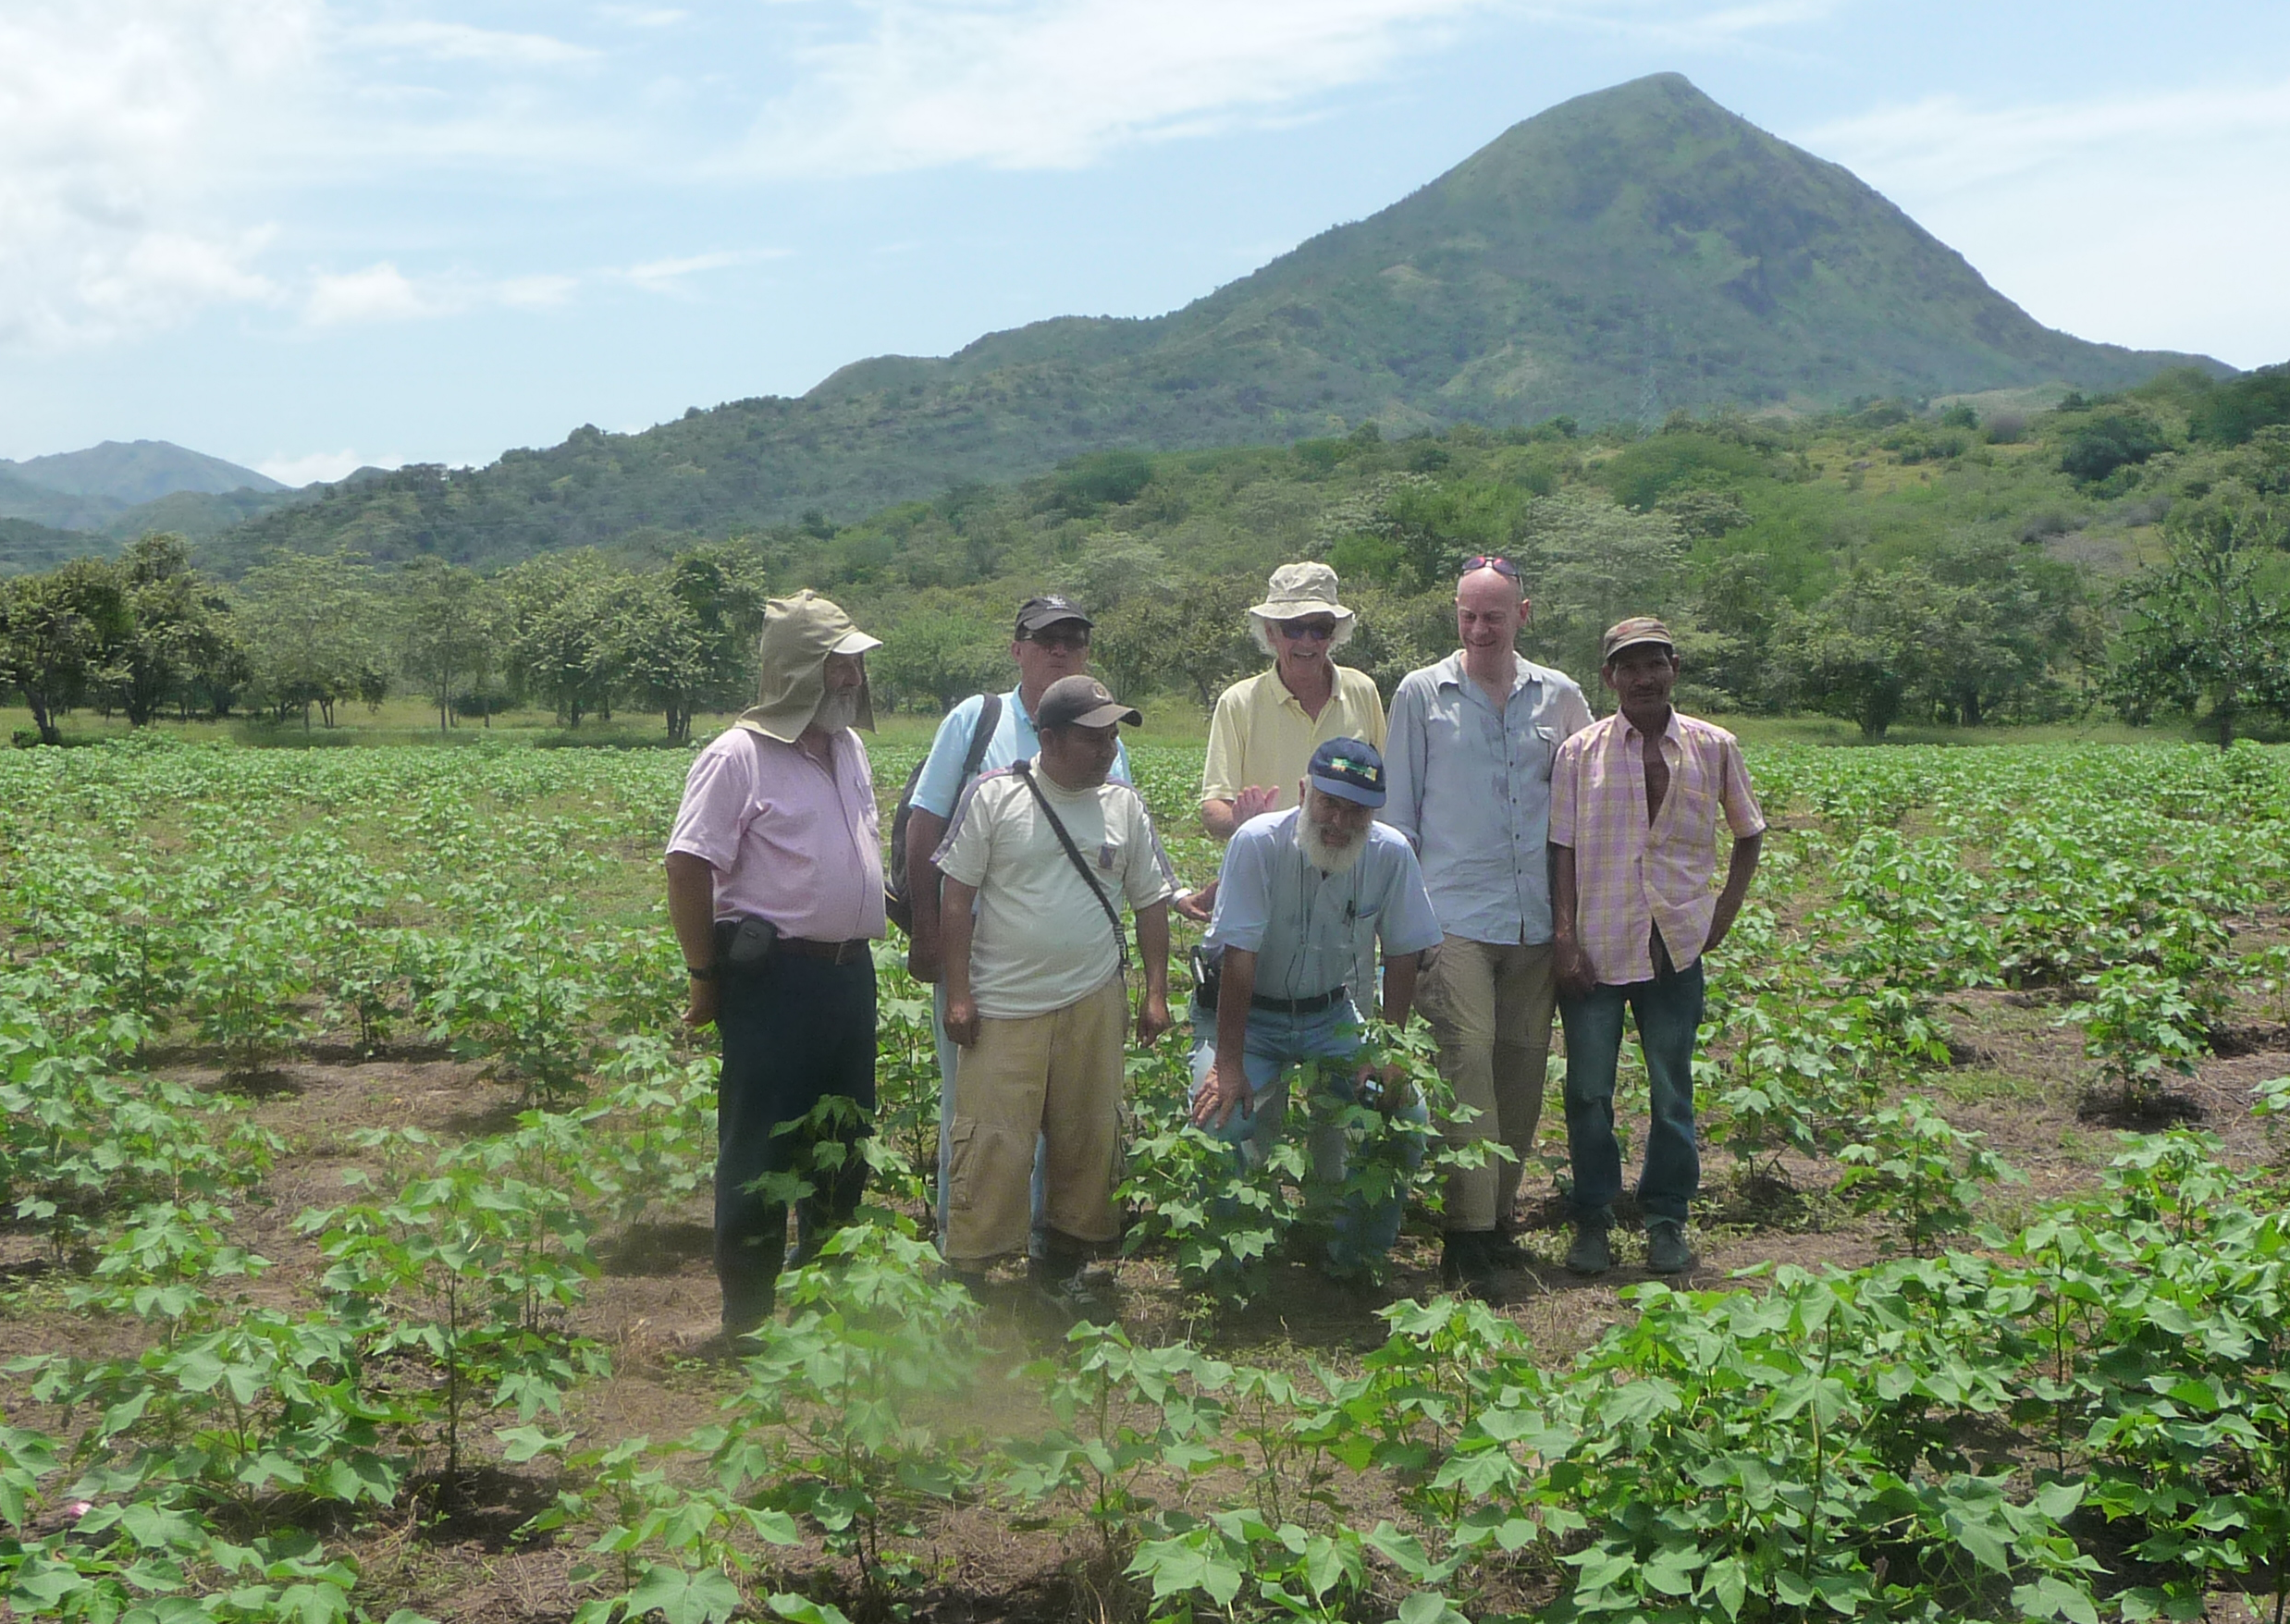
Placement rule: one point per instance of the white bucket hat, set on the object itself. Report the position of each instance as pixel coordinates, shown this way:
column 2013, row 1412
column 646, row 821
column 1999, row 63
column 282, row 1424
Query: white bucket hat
column 1296, row 590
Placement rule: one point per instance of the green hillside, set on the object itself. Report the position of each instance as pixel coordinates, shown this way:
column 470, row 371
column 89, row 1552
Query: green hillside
column 26, row 546
column 1616, row 257
column 41, row 504
column 138, row 470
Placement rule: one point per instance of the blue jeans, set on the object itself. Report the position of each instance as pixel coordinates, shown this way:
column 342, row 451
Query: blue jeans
column 794, row 1032
column 1275, row 1043
column 1668, row 1012
column 1037, row 1243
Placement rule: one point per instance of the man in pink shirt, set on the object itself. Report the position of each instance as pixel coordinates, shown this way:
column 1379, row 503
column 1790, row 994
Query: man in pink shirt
column 775, row 890
column 1635, row 800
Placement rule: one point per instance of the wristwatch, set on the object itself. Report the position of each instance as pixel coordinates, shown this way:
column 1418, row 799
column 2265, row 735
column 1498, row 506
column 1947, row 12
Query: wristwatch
column 706, row 973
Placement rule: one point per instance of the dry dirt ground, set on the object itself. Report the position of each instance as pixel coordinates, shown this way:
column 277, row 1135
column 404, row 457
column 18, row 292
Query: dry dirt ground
column 2020, row 1081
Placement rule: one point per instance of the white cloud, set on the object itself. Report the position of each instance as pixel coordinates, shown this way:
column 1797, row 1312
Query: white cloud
column 538, row 292
column 113, row 117
column 325, row 466
column 643, row 16
column 1057, row 83
column 666, row 276
column 458, row 42
column 380, row 292
column 2145, row 220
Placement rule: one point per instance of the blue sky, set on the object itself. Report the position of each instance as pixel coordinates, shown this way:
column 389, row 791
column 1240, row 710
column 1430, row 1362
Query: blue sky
column 304, row 234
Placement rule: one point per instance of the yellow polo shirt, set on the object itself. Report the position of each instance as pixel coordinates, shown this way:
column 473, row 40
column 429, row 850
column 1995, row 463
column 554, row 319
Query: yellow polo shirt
column 1261, row 736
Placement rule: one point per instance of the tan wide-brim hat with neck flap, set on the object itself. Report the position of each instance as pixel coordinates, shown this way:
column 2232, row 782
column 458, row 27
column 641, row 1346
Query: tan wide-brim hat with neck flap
column 799, row 632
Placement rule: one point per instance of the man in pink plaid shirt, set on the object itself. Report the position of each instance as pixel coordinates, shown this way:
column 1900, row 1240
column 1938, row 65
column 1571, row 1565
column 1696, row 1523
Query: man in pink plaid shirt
column 1634, row 804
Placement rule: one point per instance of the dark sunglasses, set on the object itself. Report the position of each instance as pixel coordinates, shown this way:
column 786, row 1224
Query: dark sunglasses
column 1059, row 639
column 1318, row 631
column 1500, row 566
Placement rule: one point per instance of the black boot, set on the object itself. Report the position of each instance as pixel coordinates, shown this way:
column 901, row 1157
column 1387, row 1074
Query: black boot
column 1468, row 1267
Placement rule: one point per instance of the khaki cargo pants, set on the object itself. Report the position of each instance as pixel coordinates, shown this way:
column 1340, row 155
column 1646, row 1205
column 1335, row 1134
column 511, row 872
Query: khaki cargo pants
column 1489, row 1005
column 1052, row 1079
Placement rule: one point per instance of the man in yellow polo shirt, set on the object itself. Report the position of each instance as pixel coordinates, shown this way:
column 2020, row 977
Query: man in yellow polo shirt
column 1267, row 727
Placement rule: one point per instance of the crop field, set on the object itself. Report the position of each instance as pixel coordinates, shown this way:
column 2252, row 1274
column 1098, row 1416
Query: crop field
column 354, row 1231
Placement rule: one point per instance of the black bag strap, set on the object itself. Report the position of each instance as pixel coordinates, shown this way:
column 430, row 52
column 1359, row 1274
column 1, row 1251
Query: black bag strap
column 1081, row 867
column 981, row 736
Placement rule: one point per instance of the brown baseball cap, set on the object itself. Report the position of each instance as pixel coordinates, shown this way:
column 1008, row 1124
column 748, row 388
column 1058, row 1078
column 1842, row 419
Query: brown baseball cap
column 1082, row 702
column 1631, row 633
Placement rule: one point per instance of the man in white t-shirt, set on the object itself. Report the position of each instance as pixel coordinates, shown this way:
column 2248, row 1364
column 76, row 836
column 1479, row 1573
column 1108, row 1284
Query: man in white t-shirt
column 1036, row 863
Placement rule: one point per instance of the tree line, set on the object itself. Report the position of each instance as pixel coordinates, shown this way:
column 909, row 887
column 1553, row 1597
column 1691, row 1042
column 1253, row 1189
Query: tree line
column 149, row 634
column 1959, row 586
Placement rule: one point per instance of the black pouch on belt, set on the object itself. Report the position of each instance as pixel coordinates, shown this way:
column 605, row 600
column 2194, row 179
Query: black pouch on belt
column 746, row 942
column 1207, row 973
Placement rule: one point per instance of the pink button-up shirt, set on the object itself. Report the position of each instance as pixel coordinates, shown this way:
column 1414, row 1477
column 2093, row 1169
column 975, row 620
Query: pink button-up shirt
column 791, row 841
column 1630, row 877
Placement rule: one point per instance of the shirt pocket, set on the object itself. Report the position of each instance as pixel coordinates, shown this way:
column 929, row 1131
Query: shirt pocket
column 1694, row 791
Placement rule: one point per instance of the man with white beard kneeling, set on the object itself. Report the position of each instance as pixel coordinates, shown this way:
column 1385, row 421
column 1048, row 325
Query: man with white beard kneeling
column 1302, row 894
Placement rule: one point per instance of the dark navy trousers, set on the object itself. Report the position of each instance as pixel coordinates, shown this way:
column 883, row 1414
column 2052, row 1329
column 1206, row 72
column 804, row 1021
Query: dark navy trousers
column 795, row 1032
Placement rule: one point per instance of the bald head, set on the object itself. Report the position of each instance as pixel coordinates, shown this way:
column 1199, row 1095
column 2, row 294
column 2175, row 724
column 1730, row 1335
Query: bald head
column 1490, row 607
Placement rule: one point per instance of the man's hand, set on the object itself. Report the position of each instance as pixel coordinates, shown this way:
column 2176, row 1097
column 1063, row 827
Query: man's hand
column 922, row 962
column 1199, row 907
column 699, row 1009
column 962, row 1021
column 1253, row 802
column 1396, row 1093
column 1576, row 973
column 1719, row 925
column 1225, row 1091
column 1153, row 1018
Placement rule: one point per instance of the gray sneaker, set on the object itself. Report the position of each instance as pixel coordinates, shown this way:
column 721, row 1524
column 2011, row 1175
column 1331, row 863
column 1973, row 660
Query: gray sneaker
column 1589, row 1254
column 1666, row 1252
column 1073, row 1297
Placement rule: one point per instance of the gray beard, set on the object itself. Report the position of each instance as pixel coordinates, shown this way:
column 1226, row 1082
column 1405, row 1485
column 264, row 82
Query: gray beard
column 837, row 711
column 1322, row 857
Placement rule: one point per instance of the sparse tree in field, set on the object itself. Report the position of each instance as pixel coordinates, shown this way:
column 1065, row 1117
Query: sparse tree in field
column 172, row 625
column 316, row 629
column 58, row 630
column 659, row 649
column 1210, row 643
column 1128, row 647
column 722, row 583
column 2206, row 634
column 939, row 650
column 558, row 642
column 1866, row 647
column 1588, row 564
column 446, row 634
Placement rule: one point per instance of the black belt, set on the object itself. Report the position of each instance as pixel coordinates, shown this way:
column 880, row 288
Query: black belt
column 833, row 952
column 1298, row 1006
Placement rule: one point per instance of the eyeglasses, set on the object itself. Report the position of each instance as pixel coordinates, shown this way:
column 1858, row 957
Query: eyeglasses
column 1055, row 640
column 1318, row 631
column 1499, row 565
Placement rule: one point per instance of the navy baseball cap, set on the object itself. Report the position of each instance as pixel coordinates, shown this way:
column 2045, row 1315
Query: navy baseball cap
column 1349, row 770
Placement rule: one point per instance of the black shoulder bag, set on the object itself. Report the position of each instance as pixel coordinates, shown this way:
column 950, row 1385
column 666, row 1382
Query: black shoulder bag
column 1081, row 866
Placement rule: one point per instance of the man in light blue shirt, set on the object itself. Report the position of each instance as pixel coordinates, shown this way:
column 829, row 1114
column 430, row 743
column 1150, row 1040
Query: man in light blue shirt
column 1470, row 745
column 1051, row 641
column 1303, row 893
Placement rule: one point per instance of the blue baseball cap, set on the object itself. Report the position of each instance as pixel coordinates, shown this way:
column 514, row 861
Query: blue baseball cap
column 1349, row 770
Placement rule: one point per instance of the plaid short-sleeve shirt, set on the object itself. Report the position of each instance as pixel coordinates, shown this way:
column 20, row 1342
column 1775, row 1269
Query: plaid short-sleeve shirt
column 1631, row 878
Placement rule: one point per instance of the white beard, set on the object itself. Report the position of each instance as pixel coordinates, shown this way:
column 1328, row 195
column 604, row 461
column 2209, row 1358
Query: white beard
column 1329, row 860
column 837, row 711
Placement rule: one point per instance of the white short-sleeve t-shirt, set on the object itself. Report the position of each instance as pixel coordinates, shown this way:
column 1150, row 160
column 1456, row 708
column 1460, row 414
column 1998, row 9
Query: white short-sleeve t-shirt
column 1042, row 941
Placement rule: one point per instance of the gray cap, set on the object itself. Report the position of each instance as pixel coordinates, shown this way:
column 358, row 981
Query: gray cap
column 1082, row 702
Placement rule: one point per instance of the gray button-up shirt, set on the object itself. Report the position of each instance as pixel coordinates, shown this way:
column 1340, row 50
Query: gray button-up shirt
column 1469, row 785
column 1309, row 930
